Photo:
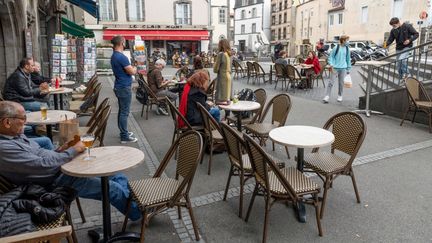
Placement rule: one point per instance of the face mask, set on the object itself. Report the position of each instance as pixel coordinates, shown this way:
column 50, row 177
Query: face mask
column 347, row 42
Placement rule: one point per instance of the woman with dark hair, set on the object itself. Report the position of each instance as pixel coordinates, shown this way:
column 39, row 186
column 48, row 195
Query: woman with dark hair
column 314, row 69
column 195, row 91
column 222, row 67
column 198, row 66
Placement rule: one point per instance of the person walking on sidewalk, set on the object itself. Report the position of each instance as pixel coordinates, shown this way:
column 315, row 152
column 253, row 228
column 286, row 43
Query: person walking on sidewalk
column 404, row 34
column 340, row 65
column 123, row 71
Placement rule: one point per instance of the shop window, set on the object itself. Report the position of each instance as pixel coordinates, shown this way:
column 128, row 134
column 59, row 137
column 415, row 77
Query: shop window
column 135, row 10
column 183, row 13
column 107, row 10
column 222, row 16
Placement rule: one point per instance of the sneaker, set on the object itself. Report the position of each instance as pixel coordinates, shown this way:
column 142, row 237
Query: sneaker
column 339, row 99
column 130, row 134
column 129, row 140
column 326, row 99
column 158, row 112
column 162, row 111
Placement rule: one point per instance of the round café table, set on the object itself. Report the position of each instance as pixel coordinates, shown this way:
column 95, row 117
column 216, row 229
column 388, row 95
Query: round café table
column 53, row 117
column 107, row 161
column 67, row 83
column 301, row 137
column 241, row 105
column 58, row 93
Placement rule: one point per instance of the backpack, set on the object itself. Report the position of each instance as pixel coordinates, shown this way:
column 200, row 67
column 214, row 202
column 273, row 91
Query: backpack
column 337, row 50
column 249, row 95
column 141, row 93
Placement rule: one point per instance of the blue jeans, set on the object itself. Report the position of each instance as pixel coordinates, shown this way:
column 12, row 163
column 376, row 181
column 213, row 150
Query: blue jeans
column 402, row 63
column 44, row 142
column 32, row 106
column 91, row 188
column 124, row 96
column 215, row 112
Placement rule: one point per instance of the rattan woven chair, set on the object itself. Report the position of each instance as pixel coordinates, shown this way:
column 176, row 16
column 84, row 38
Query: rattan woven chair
column 287, row 184
column 281, row 75
column 238, row 69
column 349, row 130
column 212, row 133
column 152, row 98
column 281, row 106
column 211, row 90
column 250, row 72
column 294, row 76
column 154, row 195
column 259, row 72
column 320, row 75
column 418, row 100
column 240, row 164
column 261, row 98
column 64, row 219
column 54, row 235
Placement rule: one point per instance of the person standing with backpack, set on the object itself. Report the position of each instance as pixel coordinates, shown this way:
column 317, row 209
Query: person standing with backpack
column 340, row 65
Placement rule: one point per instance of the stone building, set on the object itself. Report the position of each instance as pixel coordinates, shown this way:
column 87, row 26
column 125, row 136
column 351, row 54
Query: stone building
column 282, row 23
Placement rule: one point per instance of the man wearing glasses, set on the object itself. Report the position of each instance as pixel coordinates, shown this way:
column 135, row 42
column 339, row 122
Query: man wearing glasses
column 19, row 86
column 23, row 161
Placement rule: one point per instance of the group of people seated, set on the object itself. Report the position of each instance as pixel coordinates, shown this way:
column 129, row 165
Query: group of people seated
column 312, row 62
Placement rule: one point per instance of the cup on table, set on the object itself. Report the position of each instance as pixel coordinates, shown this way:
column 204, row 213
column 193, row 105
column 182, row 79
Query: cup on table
column 87, row 140
column 44, row 111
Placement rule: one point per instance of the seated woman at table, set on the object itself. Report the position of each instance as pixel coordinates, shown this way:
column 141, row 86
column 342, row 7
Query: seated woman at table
column 198, row 66
column 195, row 91
column 314, row 63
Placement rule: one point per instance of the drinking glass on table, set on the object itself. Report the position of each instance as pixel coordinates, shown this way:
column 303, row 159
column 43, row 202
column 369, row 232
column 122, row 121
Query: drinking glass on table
column 44, row 112
column 87, row 140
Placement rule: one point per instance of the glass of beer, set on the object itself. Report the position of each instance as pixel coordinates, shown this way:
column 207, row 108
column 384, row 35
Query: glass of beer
column 44, row 112
column 87, row 140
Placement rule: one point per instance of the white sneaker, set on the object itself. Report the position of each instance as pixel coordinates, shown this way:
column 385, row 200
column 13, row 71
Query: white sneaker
column 339, row 99
column 326, row 99
column 129, row 140
column 130, row 134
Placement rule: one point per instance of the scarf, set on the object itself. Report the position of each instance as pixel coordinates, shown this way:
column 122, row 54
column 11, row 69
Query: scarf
column 183, row 105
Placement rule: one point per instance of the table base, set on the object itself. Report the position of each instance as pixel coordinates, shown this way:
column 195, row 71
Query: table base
column 368, row 112
column 300, row 208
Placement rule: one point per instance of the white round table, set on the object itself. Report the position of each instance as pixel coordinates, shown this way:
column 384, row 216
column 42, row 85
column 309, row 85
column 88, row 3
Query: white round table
column 301, row 137
column 67, row 82
column 241, row 105
column 53, row 117
column 108, row 161
column 60, row 93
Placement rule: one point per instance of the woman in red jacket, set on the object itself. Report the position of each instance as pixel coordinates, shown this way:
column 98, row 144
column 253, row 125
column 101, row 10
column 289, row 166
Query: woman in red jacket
column 314, row 63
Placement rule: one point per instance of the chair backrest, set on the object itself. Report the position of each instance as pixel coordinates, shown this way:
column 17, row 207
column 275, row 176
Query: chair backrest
column 349, row 130
column 91, row 85
column 94, row 97
column 209, row 122
column 262, row 163
column 92, row 121
column 175, row 115
column 99, row 132
column 300, row 60
column 250, row 67
column 292, row 72
column 261, row 98
column 281, row 106
column 258, row 68
column 189, row 147
column 211, row 88
column 323, row 64
column 279, row 68
column 149, row 91
column 415, row 89
column 234, row 143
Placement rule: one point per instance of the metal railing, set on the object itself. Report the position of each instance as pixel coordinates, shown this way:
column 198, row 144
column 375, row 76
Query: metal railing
column 385, row 77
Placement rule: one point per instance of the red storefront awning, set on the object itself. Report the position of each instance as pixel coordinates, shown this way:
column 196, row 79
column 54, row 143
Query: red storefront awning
column 191, row 35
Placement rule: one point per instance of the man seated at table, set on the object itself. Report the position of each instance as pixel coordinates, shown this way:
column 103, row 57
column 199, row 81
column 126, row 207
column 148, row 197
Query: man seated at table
column 19, row 86
column 23, row 161
column 158, row 85
column 37, row 78
column 282, row 58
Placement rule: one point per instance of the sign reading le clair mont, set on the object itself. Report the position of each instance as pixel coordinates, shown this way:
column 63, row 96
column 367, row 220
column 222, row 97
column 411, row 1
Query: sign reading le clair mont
column 155, row 27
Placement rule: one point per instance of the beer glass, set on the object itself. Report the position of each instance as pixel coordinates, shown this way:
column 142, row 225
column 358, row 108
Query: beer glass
column 44, row 112
column 87, row 140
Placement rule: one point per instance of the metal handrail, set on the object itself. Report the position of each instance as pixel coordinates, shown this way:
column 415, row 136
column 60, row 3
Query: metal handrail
column 408, row 50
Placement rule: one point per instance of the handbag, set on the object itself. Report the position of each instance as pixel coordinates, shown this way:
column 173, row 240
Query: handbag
column 67, row 130
column 348, row 81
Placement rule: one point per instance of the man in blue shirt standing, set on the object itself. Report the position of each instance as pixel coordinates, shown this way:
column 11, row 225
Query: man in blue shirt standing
column 123, row 71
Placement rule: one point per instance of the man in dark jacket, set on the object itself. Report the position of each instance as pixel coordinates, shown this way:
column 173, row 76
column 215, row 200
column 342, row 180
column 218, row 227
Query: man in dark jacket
column 405, row 35
column 37, row 77
column 19, row 86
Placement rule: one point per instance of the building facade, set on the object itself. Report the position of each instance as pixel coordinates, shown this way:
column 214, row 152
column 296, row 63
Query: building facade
column 181, row 25
column 282, row 19
column 251, row 24
column 219, row 21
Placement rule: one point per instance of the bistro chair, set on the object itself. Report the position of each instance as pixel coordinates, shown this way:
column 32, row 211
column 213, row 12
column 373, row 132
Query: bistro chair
column 99, row 132
column 261, row 98
column 152, row 98
column 294, row 76
column 259, row 72
column 238, row 69
column 240, row 164
column 91, row 125
column 91, row 84
column 63, row 220
column 349, row 130
column 287, row 184
column 212, row 133
column 53, row 235
column 281, row 106
column 211, row 90
column 87, row 106
column 318, row 76
column 281, row 75
column 159, row 193
column 418, row 100
column 251, row 73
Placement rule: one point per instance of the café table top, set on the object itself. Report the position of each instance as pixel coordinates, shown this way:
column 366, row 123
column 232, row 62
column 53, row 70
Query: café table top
column 303, row 66
column 67, row 82
column 241, row 105
column 301, row 136
column 108, row 160
column 54, row 117
column 62, row 90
